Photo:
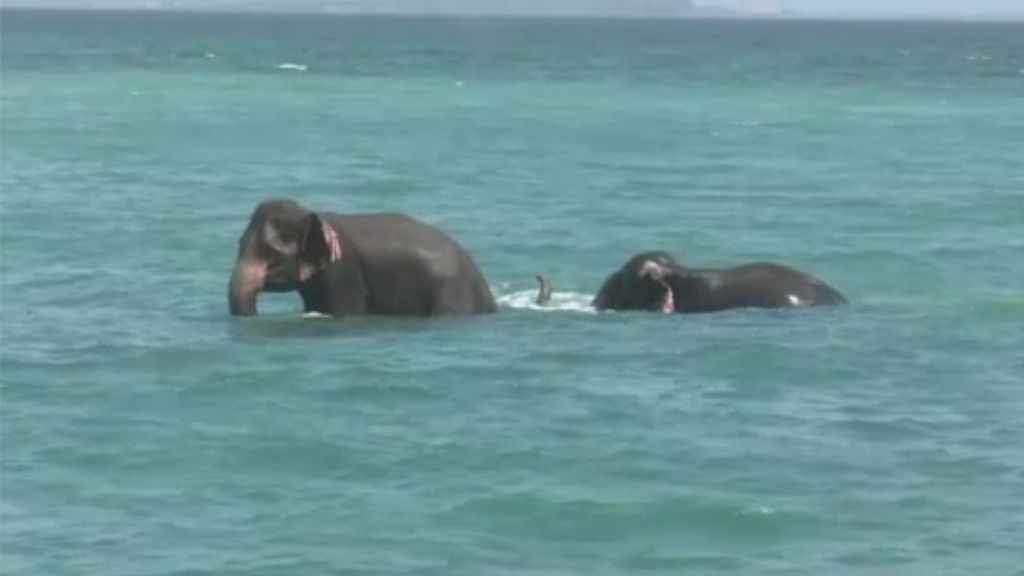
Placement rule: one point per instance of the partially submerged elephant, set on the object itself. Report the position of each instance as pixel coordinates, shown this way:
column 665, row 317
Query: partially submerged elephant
column 656, row 281
column 384, row 263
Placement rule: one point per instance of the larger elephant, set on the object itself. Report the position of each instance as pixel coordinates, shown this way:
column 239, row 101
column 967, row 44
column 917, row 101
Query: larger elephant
column 656, row 281
column 351, row 264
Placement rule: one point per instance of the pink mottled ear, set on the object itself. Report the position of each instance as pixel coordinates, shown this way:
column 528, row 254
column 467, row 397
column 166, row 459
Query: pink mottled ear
column 330, row 241
column 321, row 246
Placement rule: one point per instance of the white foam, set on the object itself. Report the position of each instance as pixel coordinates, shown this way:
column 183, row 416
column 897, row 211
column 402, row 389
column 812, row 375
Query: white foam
column 560, row 301
column 523, row 300
column 292, row 66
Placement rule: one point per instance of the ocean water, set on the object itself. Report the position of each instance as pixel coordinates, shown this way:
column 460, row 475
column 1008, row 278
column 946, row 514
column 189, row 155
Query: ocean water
column 146, row 432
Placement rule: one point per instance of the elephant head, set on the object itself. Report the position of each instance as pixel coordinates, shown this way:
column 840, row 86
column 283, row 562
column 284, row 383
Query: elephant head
column 283, row 246
column 643, row 283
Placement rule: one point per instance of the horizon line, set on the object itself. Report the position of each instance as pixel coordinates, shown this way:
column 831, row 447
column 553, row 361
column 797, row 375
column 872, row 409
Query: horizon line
column 698, row 13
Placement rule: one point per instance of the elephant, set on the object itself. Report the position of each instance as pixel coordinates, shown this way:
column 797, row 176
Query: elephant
column 354, row 264
column 656, row 281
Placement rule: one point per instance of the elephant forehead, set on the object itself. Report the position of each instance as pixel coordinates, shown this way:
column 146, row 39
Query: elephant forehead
column 286, row 218
column 652, row 266
column 280, row 238
column 657, row 257
column 290, row 223
column 278, row 207
column 663, row 258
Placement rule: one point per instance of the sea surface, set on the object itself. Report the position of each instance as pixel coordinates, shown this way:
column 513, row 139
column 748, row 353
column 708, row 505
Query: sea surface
column 146, row 432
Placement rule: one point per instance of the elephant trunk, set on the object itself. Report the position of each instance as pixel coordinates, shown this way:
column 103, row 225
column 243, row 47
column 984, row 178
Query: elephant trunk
column 247, row 280
column 544, row 291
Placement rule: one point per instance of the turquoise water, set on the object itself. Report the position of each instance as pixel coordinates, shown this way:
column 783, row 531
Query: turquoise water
column 144, row 431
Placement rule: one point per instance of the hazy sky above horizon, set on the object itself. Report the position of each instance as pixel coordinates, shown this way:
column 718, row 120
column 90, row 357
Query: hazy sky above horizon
column 905, row 6
column 967, row 8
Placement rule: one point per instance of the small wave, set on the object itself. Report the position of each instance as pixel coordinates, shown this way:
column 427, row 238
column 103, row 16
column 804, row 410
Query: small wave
column 560, row 301
column 292, row 66
column 315, row 315
column 760, row 511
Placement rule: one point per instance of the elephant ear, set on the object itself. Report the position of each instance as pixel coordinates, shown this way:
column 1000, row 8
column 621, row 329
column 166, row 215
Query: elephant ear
column 320, row 244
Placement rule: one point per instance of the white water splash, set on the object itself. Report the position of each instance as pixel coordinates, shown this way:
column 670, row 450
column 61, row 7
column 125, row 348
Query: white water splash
column 560, row 301
column 292, row 66
column 521, row 300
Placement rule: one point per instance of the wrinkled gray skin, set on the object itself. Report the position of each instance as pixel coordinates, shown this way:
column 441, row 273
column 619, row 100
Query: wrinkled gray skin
column 355, row 264
column 655, row 281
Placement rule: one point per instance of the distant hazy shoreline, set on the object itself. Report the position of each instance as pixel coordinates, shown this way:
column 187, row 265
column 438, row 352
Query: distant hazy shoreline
column 696, row 14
